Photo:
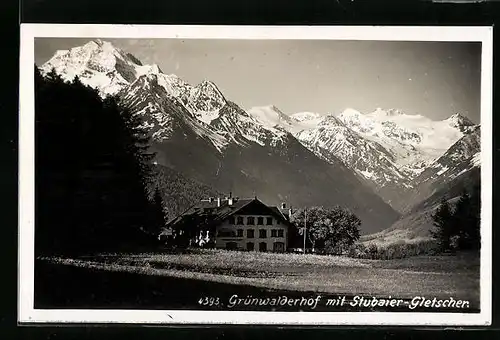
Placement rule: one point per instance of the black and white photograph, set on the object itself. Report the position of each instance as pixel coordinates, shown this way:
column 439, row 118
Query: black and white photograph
column 280, row 175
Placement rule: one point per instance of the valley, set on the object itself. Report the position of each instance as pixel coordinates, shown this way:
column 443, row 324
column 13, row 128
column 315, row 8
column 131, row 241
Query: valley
column 389, row 167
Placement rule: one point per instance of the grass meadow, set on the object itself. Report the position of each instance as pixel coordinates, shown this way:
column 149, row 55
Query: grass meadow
column 454, row 276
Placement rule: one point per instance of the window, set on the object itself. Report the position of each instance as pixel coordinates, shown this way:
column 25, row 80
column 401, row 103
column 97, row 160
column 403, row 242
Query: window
column 274, row 233
column 278, row 222
column 231, row 220
column 263, row 246
column 240, row 220
column 278, row 247
column 262, row 233
column 231, row 246
column 240, row 232
column 250, row 246
column 269, row 221
column 250, row 220
column 280, row 233
column 260, row 220
column 250, row 233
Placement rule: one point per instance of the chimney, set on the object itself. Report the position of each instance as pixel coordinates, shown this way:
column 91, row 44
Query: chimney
column 283, row 206
column 218, row 201
column 290, row 212
column 230, row 200
column 210, row 199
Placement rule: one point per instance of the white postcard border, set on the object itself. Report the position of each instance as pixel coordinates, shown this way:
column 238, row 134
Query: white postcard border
column 26, row 255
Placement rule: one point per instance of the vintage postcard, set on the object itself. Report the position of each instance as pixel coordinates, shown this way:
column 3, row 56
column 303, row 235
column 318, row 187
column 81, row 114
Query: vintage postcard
column 255, row 175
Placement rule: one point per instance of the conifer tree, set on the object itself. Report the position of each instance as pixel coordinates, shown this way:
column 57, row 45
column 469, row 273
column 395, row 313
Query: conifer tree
column 475, row 226
column 91, row 165
column 157, row 215
column 462, row 219
column 443, row 223
column 466, row 219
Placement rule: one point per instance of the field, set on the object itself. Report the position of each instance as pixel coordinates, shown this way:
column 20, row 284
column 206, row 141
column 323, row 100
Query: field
column 454, row 276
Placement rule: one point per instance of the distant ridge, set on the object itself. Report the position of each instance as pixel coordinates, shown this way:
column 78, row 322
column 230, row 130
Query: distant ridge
column 203, row 136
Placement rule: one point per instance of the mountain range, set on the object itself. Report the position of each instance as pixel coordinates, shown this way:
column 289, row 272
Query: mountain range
column 380, row 164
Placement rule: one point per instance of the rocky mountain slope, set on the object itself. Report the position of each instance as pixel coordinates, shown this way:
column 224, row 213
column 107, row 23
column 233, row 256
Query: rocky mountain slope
column 387, row 149
column 460, row 164
column 414, row 226
column 202, row 135
column 410, row 161
column 457, row 170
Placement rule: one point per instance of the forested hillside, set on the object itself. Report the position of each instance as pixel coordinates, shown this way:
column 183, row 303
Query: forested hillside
column 90, row 168
column 178, row 193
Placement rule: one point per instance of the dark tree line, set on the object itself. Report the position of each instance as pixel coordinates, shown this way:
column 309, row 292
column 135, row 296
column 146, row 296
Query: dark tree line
column 91, row 168
column 457, row 226
column 178, row 193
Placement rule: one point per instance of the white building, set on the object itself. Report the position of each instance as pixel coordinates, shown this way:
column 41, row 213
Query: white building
column 231, row 223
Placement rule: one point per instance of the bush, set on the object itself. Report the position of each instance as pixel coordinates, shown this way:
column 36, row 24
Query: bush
column 393, row 251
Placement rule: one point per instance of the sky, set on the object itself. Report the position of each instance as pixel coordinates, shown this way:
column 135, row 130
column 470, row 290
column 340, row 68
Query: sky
column 434, row 79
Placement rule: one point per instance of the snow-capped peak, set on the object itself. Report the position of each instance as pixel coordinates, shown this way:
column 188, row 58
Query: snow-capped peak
column 207, row 90
column 413, row 139
column 387, row 113
column 102, row 44
column 101, row 65
column 459, row 121
column 330, row 120
column 98, row 42
column 303, row 116
column 98, row 64
column 267, row 108
column 271, row 116
column 204, row 101
column 207, row 82
column 349, row 112
column 458, row 117
column 155, row 69
column 386, row 146
column 275, row 109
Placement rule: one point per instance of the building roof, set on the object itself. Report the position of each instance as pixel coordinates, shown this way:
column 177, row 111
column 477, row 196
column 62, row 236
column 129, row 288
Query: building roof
column 208, row 213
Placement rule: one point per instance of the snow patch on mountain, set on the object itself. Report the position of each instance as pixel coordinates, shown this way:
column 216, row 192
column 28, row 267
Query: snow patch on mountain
column 255, row 126
column 162, row 99
column 388, row 148
column 367, row 174
column 385, row 147
column 305, row 116
column 460, row 122
column 97, row 64
column 307, row 120
column 415, row 140
column 204, row 101
column 271, row 117
column 442, row 170
column 331, row 139
column 462, row 157
column 476, row 159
